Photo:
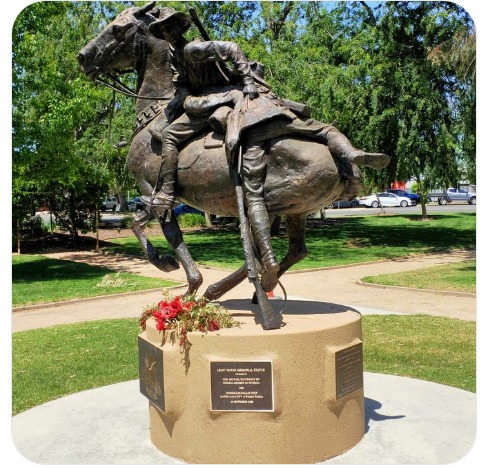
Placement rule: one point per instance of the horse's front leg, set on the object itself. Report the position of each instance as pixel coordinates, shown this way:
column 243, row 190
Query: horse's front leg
column 173, row 234
column 165, row 263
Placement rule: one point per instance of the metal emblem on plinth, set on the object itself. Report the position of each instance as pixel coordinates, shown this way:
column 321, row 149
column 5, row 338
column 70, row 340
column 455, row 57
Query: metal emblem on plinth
column 151, row 373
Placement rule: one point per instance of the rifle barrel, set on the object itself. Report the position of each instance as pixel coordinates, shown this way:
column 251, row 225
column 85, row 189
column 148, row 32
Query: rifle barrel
column 200, row 26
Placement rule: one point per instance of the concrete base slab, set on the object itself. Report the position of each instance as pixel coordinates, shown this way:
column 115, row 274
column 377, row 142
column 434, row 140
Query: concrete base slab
column 408, row 421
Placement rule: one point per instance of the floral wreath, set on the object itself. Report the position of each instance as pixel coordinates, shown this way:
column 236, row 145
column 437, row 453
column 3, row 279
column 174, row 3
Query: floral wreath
column 183, row 315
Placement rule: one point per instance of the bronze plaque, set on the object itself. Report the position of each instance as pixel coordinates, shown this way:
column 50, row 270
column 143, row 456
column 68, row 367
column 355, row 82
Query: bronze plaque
column 151, row 373
column 348, row 370
column 241, row 386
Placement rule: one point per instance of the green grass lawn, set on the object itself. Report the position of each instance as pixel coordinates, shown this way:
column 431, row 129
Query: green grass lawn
column 52, row 362
column 38, row 279
column 341, row 241
column 451, row 277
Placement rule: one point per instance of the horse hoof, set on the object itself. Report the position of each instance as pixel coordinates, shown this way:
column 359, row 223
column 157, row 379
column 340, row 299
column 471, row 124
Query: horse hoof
column 167, row 264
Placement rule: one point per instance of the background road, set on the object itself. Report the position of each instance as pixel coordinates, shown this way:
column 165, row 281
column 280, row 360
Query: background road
column 109, row 218
column 431, row 209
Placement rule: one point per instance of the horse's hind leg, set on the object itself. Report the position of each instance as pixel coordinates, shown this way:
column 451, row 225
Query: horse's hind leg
column 165, row 263
column 216, row 290
column 297, row 250
column 173, row 234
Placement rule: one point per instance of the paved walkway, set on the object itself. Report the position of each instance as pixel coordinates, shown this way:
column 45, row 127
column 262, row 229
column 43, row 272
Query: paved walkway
column 333, row 285
column 408, row 421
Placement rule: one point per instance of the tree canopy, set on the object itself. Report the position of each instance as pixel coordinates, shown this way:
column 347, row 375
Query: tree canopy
column 396, row 77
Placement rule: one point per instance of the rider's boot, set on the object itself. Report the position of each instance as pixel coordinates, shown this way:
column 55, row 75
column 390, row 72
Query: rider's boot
column 261, row 231
column 253, row 171
column 164, row 199
column 340, row 146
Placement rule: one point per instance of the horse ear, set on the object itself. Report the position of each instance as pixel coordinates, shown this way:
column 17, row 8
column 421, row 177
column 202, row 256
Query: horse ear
column 145, row 9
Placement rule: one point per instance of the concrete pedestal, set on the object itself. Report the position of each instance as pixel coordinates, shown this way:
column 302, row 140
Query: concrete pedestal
column 245, row 395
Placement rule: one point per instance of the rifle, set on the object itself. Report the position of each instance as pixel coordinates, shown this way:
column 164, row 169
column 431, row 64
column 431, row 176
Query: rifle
column 199, row 25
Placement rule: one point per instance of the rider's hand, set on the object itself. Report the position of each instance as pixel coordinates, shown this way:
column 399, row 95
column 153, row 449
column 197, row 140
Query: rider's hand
column 251, row 91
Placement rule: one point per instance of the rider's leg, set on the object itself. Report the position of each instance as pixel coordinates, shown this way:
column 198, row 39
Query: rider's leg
column 338, row 144
column 177, row 133
column 253, row 172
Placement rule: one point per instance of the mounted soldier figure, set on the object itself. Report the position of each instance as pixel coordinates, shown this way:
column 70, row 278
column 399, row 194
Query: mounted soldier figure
column 266, row 157
column 210, row 93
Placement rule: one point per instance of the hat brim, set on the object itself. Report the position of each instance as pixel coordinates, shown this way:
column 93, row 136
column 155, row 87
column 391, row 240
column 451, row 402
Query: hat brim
column 157, row 27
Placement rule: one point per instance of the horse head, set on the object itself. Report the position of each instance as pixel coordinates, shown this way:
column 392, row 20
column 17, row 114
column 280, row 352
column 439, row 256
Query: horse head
column 119, row 45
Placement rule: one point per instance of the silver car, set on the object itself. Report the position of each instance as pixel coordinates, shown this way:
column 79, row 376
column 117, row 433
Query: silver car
column 386, row 199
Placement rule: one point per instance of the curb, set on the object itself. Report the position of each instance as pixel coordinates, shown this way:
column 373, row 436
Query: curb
column 49, row 305
column 417, row 290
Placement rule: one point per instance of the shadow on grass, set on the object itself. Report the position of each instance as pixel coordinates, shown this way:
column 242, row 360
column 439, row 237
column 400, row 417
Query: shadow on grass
column 335, row 241
column 29, row 269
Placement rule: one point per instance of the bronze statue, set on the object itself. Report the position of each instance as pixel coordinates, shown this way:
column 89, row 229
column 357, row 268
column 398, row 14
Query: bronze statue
column 203, row 116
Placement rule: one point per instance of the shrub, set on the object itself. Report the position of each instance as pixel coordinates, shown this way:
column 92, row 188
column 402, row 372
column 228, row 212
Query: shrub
column 190, row 220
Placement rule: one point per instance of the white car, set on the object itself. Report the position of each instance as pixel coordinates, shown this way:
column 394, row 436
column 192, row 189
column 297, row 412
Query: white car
column 110, row 203
column 386, row 199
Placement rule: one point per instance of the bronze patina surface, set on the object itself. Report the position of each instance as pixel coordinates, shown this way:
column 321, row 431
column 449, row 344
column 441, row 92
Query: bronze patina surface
column 151, row 373
column 274, row 159
column 348, row 370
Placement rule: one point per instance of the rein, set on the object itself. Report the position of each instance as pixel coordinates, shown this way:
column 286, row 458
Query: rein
column 120, row 87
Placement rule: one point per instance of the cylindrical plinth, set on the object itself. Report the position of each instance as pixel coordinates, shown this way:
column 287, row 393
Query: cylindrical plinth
column 245, row 395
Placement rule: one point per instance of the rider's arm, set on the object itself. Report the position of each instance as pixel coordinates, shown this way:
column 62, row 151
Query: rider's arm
column 223, row 51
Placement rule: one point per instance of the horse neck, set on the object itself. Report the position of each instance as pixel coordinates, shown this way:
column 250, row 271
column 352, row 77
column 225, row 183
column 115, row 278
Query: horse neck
column 154, row 75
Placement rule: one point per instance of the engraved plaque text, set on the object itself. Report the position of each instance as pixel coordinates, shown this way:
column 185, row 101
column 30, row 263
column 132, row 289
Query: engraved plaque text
column 348, row 370
column 241, row 386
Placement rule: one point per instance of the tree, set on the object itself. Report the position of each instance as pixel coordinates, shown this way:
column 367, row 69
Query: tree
column 408, row 106
column 60, row 120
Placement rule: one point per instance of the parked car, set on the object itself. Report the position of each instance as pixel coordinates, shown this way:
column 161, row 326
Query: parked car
column 184, row 209
column 386, row 199
column 452, row 195
column 110, row 203
column 401, row 193
column 136, row 204
column 344, row 204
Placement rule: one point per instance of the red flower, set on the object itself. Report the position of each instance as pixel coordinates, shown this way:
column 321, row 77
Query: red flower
column 176, row 304
column 169, row 313
column 160, row 325
column 213, row 325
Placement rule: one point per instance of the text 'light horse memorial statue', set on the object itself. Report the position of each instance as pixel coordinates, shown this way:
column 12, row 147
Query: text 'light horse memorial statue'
column 302, row 175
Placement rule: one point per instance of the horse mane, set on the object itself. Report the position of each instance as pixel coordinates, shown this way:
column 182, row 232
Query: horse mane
column 140, row 54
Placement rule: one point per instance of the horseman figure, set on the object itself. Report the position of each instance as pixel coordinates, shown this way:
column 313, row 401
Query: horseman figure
column 215, row 136
column 237, row 100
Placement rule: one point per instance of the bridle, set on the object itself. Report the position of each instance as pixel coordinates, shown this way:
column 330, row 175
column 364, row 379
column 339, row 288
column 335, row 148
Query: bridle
column 111, row 80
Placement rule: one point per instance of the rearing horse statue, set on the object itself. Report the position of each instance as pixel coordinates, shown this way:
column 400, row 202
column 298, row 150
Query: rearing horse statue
column 302, row 175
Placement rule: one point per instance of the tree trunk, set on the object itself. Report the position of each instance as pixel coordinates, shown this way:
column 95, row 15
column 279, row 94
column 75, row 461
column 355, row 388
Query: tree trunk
column 18, row 236
column 208, row 220
column 97, row 214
